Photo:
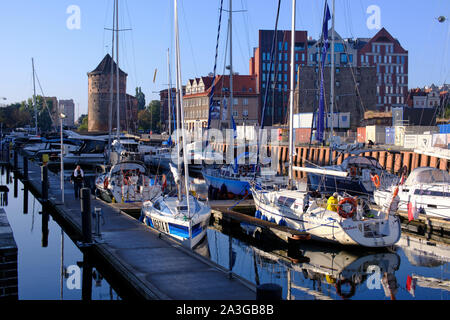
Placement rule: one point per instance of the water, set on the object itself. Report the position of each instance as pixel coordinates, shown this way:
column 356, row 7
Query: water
column 314, row 270
column 39, row 267
column 413, row 269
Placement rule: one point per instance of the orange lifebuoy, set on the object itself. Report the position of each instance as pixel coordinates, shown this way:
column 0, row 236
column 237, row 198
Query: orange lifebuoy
column 376, row 181
column 342, row 212
column 105, row 183
column 353, row 171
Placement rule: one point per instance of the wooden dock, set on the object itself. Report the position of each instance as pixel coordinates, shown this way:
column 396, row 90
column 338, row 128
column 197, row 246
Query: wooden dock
column 8, row 260
column 151, row 265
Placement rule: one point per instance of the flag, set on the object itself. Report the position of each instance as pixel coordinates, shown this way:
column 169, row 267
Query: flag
column 320, row 117
column 413, row 213
column 411, row 285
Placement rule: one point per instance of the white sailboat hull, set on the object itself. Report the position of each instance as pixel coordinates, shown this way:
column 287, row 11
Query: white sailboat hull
column 327, row 225
column 188, row 231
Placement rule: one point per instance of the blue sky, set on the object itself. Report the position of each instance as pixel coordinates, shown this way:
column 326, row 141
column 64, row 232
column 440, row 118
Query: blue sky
column 63, row 57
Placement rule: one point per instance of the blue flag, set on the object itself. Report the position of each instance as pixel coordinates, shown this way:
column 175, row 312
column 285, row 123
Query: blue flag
column 320, row 116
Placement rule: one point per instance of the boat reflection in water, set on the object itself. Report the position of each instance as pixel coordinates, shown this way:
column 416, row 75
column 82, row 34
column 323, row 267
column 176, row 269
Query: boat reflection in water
column 341, row 269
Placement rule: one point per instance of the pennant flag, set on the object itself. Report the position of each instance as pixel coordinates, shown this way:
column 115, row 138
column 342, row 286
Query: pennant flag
column 411, row 285
column 413, row 213
column 320, row 117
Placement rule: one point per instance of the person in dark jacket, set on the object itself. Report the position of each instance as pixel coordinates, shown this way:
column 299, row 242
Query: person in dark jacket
column 77, row 178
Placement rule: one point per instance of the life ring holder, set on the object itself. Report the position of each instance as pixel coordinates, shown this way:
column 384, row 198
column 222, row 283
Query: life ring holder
column 345, row 214
column 353, row 171
column 105, row 183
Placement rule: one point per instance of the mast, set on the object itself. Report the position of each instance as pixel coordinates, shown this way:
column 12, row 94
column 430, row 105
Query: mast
column 332, row 82
column 169, row 91
column 180, row 99
column 34, row 100
column 117, row 69
column 230, row 109
column 112, row 85
column 291, row 96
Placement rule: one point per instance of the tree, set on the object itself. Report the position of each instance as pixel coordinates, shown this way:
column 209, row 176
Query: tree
column 149, row 118
column 155, row 112
column 144, row 120
column 140, row 96
column 81, row 118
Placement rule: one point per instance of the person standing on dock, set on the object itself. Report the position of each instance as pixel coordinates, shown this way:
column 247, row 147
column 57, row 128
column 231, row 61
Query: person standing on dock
column 77, row 178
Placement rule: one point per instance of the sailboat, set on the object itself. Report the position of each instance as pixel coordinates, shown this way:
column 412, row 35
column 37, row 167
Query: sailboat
column 183, row 217
column 349, row 222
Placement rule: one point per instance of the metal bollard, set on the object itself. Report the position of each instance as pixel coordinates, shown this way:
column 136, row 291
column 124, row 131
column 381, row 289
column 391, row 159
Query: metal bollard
column 86, row 216
column 25, row 168
column 16, row 160
column 44, row 180
column 97, row 214
column 268, row 291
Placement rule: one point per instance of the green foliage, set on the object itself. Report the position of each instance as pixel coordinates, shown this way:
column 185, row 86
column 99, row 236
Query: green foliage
column 83, row 121
column 149, row 118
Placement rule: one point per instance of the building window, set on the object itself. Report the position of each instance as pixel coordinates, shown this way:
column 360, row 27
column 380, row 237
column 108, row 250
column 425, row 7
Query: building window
column 285, row 57
column 303, row 57
column 285, row 46
column 236, row 101
column 296, row 56
column 245, row 101
column 235, row 113
column 245, row 112
column 285, row 77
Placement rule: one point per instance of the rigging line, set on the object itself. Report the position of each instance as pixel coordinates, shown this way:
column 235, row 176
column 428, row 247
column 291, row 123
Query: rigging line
column 189, row 39
column 214, row 70
column 274, row 39
column 136, row 80
column 104, row 24
column 245, row 22
column 45, row 100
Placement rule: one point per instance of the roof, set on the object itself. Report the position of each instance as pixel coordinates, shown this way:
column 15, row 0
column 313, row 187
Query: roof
column 243, row 85
column 104, row 67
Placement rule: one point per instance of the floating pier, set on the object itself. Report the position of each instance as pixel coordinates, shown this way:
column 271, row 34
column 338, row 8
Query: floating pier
column 151, row 265
column 8, row 260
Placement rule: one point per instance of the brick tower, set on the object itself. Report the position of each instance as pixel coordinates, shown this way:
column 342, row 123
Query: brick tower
column 99, row 89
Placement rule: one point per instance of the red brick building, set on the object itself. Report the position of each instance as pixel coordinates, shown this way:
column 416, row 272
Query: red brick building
column 198, row 93
column 391, row 60
column 279, row 82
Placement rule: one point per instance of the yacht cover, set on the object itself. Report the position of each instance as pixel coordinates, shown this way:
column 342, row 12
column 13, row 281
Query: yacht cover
column 427, row 175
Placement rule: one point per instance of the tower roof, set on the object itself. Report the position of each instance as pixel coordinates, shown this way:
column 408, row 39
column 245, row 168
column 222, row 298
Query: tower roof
column 104, row 67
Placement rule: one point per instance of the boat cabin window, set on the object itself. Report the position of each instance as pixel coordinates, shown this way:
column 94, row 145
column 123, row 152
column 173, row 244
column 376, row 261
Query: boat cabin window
column 431, row 193
column 182, row 208
column 285, row 201
column 92, row 146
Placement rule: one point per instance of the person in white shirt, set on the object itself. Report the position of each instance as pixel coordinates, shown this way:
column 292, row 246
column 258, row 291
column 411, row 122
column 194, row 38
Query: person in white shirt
column 77, row 178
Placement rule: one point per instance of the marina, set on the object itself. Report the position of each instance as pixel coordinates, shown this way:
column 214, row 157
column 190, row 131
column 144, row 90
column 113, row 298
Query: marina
column 297, row 161
column 274, row 255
